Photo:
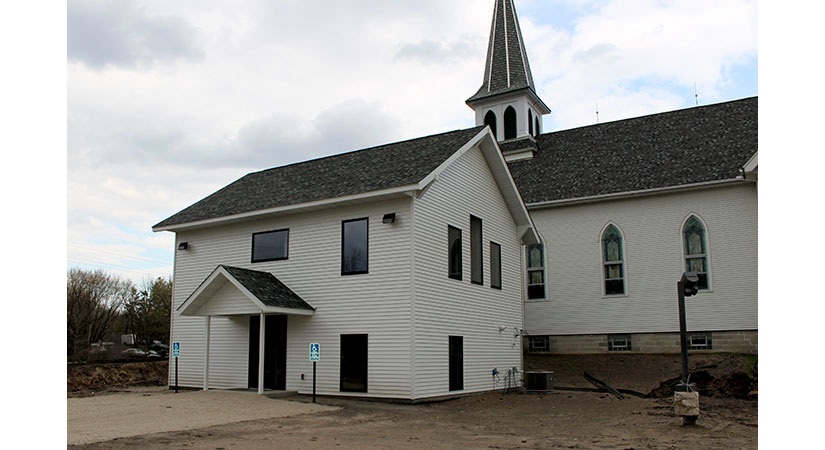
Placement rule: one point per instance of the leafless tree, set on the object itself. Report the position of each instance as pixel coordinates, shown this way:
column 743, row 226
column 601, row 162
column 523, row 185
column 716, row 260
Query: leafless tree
column 93, row 302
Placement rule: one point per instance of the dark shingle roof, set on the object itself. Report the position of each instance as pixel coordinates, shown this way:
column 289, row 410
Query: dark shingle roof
column 387, row 166
column 268, row 289
column 506, row 68
column 687, row 146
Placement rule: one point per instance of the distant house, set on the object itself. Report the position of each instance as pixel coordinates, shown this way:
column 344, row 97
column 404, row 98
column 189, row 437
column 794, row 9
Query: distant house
column 421, row 266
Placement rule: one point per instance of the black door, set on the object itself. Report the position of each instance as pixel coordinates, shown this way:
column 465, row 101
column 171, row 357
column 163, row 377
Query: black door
column 456, row 363
column 275, row 348
column 353, row 363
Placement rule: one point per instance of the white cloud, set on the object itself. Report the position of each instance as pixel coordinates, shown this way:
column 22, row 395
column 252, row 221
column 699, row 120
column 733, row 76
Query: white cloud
column 170, row 101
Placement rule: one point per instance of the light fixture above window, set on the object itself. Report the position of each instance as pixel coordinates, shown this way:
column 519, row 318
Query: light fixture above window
column 389, row 218
column 183, row 246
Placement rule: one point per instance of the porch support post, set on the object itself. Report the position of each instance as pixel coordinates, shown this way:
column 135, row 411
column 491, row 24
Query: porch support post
column 261, row 354
column 206, row 354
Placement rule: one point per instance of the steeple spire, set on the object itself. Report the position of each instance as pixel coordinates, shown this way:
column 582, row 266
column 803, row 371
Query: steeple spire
column 508, row 81
column 506, row 67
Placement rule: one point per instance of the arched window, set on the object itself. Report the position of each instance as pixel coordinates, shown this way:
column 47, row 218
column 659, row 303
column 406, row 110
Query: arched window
column 510, row 126
column 538, row 130
column 530, row 121
column 696, row 254
column 613, row 260
column 490, row 121
column 535, row 271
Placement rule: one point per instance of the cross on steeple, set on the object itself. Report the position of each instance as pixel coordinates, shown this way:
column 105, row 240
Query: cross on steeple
column 507, row 100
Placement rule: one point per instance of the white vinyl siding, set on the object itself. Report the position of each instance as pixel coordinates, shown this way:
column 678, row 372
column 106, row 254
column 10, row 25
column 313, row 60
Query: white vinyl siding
column 445, row 306
column 377, row 303
column 652, row 230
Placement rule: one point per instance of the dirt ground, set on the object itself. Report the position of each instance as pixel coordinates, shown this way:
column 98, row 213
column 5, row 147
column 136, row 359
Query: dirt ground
column 577, row 420
column 562, row 419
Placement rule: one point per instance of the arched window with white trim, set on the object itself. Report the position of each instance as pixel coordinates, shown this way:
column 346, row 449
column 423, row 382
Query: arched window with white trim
column 696, row 250
column 613, row 261
column 490, row 121
column 510, row 124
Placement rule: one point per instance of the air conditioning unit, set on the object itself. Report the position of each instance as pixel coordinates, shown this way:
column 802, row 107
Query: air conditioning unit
column 539, row 381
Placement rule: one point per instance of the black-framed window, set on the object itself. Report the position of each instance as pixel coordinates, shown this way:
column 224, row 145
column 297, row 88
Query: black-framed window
column 613, row 260
column 535, row 271
column 476, row 251
column 495, row 265
column 354, row 246
column 270, row 245
column 454, row 252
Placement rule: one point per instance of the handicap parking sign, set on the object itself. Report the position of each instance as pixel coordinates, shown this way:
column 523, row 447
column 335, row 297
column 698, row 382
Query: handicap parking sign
column 314, row 352
column 176, row 349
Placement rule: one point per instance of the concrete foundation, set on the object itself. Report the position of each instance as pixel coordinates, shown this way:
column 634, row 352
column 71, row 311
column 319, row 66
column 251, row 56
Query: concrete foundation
column 720, row 342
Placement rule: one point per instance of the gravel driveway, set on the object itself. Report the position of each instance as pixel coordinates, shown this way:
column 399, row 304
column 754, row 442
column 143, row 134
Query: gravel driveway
column 106, row 417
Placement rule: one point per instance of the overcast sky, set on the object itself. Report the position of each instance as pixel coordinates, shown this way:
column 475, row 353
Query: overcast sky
column 170, row 101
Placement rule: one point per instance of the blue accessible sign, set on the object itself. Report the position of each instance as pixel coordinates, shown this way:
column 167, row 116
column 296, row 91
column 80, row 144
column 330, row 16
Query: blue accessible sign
column 176, row 349
column 314, row 352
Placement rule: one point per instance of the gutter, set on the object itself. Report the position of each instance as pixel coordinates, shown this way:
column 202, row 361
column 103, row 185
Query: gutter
column 639, row 193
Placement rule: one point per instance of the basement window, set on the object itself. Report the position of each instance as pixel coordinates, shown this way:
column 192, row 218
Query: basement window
column 699, row 341
column 618, row 342
column 539, row 344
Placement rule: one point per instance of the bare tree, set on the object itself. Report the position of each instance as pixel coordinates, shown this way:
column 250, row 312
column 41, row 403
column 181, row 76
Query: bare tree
column 93, row 303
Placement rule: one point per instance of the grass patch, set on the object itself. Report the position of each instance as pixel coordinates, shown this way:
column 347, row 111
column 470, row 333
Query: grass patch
column 750, row 365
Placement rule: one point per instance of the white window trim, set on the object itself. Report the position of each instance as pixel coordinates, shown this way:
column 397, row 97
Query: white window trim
column 708, row 264
column 526, row 276
column 603, row 263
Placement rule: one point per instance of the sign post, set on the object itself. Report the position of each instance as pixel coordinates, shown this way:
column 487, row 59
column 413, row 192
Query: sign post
column 176, row 354
column 314, row 356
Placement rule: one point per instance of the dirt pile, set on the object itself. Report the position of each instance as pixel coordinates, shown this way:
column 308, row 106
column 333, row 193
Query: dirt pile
column 731, row 385
column 98, row 377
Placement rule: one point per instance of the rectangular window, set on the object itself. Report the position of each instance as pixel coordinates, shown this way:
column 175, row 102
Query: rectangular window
column 539, row 344
column 270, row 245
column 354, row 246
column 618, row 342
column 454, row 252
column 495, row 265
column 699, row 341
column 535, row 271
column 476, row 252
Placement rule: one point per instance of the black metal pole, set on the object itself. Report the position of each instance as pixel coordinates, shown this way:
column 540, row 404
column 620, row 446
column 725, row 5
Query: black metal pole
column 313, row 380
column 683, row 331
column 176, row 374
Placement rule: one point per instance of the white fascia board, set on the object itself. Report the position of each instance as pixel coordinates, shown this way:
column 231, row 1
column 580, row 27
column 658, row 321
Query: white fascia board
column 498, row 167
column 191, row 304
column 753, row 163
column 289, row 208
column 631, row 194
column 291, row 311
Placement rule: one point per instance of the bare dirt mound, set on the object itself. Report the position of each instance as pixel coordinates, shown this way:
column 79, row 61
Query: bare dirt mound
column 715, row 374
column 86, row 378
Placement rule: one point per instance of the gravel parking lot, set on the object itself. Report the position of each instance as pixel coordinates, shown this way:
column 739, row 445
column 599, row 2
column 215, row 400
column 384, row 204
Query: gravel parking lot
column 153, row 410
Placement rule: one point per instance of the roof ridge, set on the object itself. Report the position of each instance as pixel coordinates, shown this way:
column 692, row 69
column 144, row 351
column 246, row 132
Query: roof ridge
column 672, row 111
column 349, row 152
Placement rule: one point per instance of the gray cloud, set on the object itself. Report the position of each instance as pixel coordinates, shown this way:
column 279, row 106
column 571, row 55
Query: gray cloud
column 108, row 33
column 266, row 142
column 439, row 52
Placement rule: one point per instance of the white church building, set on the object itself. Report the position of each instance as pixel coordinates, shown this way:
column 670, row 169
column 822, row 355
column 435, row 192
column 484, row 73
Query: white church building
column 421, row 266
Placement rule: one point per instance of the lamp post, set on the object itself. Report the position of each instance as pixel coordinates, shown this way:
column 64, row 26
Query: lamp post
column 686, row 400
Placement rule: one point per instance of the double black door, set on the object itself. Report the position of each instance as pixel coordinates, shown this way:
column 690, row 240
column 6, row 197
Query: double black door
column 275, row 352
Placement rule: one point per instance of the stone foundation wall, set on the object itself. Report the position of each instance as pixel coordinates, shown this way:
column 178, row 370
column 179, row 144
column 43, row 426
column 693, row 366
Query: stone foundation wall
column 721, row 342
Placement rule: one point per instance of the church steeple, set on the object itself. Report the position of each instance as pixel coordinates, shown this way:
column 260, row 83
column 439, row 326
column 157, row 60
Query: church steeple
column 507, row 99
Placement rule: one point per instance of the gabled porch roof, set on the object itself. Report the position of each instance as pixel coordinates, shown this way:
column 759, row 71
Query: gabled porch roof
column 260, row 292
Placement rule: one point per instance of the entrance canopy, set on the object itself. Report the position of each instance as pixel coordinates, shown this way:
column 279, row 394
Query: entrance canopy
column 229, row 291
